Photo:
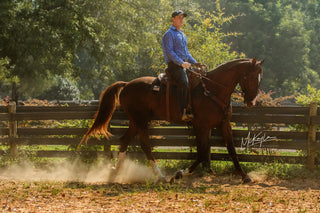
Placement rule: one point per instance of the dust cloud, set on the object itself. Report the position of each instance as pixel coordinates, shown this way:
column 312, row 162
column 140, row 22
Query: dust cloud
column 130, row 172
column 258, row 176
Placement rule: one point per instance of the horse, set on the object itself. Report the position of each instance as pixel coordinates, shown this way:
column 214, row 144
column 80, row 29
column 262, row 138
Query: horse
column 210, row 102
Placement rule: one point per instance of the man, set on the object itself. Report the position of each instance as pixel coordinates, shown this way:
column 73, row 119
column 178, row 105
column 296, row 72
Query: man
column 178, row 58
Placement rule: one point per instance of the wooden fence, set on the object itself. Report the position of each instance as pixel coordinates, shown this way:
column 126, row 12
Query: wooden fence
column 261, row 128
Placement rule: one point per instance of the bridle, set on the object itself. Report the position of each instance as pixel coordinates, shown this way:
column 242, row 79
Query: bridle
column 203, row 76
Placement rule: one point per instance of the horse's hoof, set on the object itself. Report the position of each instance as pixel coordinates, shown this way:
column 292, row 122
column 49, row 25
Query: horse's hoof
column 172, row 180
column 247, row 179
column 178, row 175
column 162, row 179
column 207, row 172
column 113, row 174
column 210, row 172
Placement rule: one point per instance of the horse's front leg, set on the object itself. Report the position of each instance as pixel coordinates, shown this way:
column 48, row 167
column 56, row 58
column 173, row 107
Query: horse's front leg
column 203, row 154
column 228, row 138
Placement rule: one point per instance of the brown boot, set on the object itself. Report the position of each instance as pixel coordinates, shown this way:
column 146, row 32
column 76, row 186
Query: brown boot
column 186, row 116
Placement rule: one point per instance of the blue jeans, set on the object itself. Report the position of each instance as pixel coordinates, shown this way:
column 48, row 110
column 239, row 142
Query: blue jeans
column 179, row 77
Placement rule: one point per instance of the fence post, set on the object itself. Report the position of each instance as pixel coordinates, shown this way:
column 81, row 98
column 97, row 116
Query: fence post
column 12, row 130
column 311, row 138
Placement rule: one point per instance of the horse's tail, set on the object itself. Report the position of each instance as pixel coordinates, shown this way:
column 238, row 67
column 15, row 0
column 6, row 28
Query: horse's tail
column 108, row 102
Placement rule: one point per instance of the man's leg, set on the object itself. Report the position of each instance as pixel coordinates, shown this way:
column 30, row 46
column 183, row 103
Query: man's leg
column 179, row 76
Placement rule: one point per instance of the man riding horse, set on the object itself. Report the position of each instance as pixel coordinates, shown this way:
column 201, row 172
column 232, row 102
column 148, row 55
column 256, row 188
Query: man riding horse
column 210, row 102
column 178, row 58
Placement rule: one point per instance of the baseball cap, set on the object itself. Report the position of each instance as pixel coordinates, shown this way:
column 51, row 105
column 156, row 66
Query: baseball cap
column 177, row 13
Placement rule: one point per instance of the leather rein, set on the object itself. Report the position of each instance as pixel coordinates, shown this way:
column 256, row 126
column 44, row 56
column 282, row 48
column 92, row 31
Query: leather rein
column 207, row 92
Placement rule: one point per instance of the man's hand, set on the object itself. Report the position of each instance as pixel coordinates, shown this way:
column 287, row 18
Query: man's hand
column 186, row 65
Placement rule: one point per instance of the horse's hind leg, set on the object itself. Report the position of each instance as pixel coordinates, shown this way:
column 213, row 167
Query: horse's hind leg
column 146, row 147
column 203, row 150
column 124, row 142
column 203, row 154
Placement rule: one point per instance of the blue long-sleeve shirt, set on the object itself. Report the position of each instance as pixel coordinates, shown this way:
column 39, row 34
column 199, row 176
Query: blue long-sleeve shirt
column 174, row 45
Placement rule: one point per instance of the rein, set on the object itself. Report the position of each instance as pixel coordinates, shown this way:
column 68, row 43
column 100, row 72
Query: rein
column 207, row 92
column 203, row 76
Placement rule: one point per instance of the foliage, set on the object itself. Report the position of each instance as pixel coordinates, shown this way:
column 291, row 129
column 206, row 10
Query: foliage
column 41, row 39
column 207, row 38
column 5, row 79
column 281, row 32
column 63, row 89
column 312, row 96
column 264, row 98
column 94, row 43
column 26, row 154
column 37, row 102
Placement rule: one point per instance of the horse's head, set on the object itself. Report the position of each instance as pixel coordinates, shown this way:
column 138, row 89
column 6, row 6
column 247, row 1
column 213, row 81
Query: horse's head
column 250, row 81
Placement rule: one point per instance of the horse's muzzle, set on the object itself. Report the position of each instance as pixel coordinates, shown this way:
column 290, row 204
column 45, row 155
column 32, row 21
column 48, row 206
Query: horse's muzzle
column 251, row 102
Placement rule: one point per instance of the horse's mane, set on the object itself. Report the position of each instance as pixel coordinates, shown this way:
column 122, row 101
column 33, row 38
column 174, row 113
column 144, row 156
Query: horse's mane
column 228, row 65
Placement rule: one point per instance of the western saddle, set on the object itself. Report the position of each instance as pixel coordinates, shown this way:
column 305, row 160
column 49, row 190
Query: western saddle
column 194, row 76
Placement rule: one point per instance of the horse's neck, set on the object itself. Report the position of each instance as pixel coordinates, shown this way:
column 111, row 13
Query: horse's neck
column 225, row 80
column 225, row 83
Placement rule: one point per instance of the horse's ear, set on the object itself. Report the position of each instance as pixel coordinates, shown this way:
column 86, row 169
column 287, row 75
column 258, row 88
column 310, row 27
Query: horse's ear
column 261, row 62
column 254, row 61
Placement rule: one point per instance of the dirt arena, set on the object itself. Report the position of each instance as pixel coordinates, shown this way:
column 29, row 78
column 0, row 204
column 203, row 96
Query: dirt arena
column 192, row 194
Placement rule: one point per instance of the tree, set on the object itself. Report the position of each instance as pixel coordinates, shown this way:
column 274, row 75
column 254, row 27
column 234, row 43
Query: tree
column 312, row 95
column 311, row 11
column 94, row 43
column 62, row 89
column 41, row 37
column 291, row 48
column 207, row 38
column 5, row 79
column 276, row 31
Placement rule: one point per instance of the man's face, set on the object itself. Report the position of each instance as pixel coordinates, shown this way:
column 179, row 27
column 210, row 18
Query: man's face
column 177, row 21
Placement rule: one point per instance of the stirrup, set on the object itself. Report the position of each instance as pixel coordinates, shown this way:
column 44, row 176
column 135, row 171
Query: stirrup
column 186, row 117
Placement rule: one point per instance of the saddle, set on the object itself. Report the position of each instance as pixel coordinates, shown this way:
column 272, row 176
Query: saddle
column 193, row 74
column 163, row 83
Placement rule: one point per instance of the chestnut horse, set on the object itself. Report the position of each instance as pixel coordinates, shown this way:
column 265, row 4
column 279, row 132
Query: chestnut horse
column 210, row 102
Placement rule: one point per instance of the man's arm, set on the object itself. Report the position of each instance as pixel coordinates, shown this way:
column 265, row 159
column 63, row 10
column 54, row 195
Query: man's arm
column 190, row 58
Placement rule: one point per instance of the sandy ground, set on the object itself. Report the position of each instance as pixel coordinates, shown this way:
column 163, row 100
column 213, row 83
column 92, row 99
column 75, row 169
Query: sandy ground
column 75, row 188
column 192, row 194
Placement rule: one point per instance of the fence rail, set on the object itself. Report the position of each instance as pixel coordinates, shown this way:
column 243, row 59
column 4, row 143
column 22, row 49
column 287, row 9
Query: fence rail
column 248, row 131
